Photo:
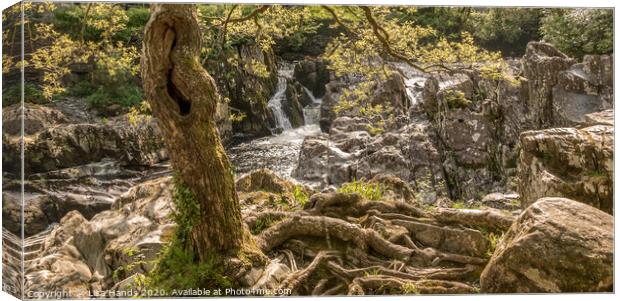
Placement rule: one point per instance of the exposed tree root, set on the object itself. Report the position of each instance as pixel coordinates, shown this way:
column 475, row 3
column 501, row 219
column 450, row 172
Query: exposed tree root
column 321, row 226
column 343, row 205
column 488, row 218
column 343, row 244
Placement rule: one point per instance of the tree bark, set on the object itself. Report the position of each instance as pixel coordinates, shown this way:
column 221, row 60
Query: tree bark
column 183, row 99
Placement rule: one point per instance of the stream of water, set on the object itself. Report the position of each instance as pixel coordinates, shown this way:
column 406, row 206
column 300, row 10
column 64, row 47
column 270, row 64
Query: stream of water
column 279, row 152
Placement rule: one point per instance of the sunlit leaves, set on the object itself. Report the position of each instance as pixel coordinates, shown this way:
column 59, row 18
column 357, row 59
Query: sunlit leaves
column 113, row 60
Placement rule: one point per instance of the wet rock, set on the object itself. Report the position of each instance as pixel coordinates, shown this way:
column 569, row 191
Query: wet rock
column 425, row 162
column 568, row 162
column 388, row 160
column 463, row 136
column 293, row 106
column 351, row 142
column 467, row 135
column 556, row 245
column 313, row 156
column 41, row 210
column 542, row 64
column 312, row 74
column 333, row 90
column 392, row 93
column 438, row 92
column 88, row 189
column 586, row 87
column 348, row 124
column 247, row 92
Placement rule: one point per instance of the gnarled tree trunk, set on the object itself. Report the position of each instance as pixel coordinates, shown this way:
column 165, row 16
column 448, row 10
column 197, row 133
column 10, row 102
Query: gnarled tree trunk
column 183, row 98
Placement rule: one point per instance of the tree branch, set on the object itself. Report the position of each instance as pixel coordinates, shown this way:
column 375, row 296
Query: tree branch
column 251, row 15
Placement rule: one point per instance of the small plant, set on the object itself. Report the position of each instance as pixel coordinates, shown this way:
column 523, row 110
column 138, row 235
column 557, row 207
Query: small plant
column 596, row 173
column 370, row 191
column 281, row 200
column 409, row 288
column 456, row 99
column 300, row 196
column 262, row 224
column 458, row 205
column 372, row 272
column 236, row 117
column 493, row 240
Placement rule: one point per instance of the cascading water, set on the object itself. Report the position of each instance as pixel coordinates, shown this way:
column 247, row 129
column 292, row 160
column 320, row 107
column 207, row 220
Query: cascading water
column 279, row 152
column 275, row 102
column 312, row 111
column 414, row 81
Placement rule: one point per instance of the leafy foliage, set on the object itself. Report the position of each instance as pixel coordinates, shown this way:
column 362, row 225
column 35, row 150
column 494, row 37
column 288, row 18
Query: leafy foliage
column 505, row 29
column 376, row 36
column 579, row 31
column 409, row 288
column 92, row 34
column 12, row 94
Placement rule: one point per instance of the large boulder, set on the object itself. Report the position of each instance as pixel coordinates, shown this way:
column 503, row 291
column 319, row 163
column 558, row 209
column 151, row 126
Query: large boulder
column 313, row 156
column 35, row 118
column 333, row 90
column 466, row 134
column 568, row 162
column 556, row 245
column 586, row 87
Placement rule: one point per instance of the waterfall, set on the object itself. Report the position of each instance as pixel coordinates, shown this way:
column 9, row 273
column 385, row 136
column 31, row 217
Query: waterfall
column 312, row 111
column 414, row 82
column 275, row 104
column 413, row 86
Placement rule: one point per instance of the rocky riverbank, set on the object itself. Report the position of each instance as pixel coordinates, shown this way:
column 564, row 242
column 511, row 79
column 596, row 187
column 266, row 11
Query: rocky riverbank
column 464, row 160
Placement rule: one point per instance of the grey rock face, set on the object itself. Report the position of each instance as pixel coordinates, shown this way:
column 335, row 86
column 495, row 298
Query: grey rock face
column 568, row 162
column 584, row 88
column 542, row 64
